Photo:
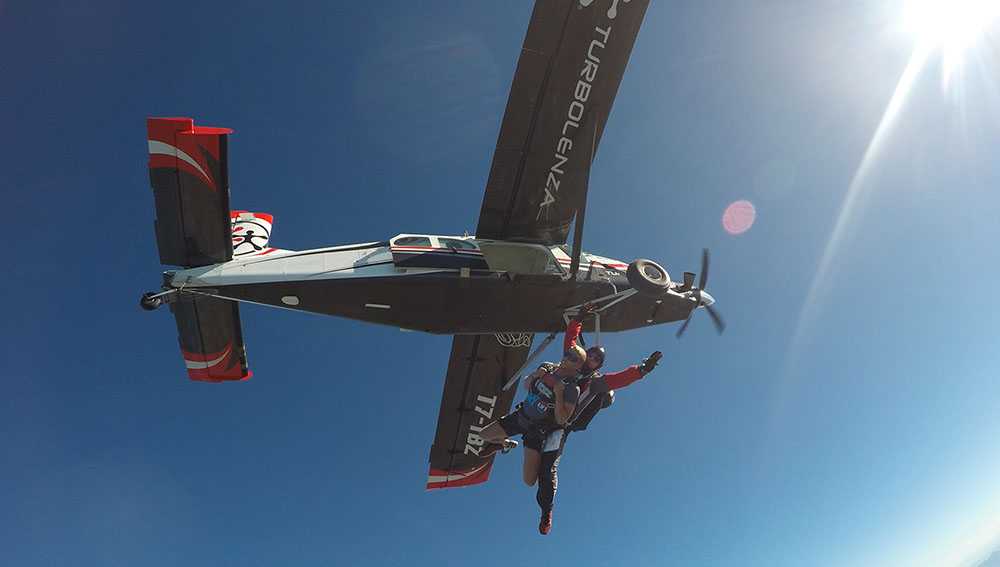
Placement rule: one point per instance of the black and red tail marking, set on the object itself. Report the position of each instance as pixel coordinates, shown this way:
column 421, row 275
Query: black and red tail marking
column 188, row 170
column 211, row 338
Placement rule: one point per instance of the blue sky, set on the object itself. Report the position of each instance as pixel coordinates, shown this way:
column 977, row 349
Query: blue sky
column 847, row 417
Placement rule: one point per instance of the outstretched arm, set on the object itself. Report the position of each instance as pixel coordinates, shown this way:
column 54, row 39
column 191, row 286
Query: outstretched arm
column 622, row 378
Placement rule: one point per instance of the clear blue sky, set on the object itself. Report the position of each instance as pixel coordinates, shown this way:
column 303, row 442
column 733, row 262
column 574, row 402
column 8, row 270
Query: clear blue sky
column 848, row 416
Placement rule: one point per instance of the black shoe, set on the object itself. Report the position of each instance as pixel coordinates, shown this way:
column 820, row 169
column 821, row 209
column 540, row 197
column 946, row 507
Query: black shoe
column 508, row 445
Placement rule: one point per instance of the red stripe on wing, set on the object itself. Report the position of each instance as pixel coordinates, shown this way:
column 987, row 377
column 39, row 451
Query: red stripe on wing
column 438, row 478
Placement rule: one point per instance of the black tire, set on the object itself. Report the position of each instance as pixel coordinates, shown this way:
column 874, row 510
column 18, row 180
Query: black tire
column 150, row 303
column 648, row 278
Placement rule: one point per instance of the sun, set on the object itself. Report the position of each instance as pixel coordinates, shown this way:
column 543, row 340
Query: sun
column 951, row 26
column 949, row 23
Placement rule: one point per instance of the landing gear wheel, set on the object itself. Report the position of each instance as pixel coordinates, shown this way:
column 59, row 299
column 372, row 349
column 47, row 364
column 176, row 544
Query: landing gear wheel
column 648, row 278
column 150, row 303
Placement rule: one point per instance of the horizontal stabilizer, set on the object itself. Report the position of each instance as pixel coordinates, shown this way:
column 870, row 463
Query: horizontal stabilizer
column 188, row 170
column 211, row 338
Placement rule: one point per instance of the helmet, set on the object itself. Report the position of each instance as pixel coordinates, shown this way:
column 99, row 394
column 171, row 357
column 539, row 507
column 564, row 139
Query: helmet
column 595, row 357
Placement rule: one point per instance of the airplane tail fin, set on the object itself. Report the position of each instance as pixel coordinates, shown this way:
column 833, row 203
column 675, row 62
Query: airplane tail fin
column 251, row 233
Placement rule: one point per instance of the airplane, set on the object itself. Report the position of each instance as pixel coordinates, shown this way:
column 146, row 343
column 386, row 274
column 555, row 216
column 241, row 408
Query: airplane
column 517, row 276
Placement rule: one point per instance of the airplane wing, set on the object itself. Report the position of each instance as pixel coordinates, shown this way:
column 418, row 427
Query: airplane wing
column 473, row 397
column 571, row 63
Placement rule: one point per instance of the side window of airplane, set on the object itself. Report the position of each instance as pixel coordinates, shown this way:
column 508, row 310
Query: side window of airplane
column 457, row 244
column 412, row 241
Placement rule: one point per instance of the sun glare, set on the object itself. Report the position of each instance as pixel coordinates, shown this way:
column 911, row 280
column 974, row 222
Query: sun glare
column 949, row 25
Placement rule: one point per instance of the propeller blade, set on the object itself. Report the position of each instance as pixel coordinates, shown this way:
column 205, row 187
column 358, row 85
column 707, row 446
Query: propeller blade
column 697, row 302
column 703, row 276
column 720, row 325
column 684, row 325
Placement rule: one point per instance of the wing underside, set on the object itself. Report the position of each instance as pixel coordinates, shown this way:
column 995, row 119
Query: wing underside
column 571, row 63
column 473, row 397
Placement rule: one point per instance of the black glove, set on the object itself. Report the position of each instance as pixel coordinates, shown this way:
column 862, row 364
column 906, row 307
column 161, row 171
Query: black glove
column 650, row 362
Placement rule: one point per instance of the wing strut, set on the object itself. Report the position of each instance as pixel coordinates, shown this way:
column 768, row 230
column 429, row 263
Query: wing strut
column 581, row 211
column 529, row 361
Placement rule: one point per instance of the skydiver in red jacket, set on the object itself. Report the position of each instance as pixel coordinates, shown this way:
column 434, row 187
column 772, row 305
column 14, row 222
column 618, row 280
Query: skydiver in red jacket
column 544, row 432
column 596, row 393
column 551, row 400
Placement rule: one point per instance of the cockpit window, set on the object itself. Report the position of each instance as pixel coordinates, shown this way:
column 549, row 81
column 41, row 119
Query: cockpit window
column 412, row 241
column 458, row 244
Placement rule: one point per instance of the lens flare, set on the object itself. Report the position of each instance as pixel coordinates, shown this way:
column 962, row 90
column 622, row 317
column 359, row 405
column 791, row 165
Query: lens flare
column 738, row 217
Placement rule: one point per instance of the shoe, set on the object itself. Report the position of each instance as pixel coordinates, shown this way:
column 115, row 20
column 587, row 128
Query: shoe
column 545, row 525
column 491, row 449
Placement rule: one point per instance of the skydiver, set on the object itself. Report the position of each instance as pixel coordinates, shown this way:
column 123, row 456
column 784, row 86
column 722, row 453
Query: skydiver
column 551, row 400
column 597, row 392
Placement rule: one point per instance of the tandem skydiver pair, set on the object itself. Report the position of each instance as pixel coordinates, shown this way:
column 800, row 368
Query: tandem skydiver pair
column 561, row 398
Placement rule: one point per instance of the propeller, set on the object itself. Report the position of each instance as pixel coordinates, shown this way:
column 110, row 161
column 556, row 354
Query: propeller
column 720, row 325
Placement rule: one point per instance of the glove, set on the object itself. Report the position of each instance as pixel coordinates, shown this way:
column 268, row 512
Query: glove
column 650, row 362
